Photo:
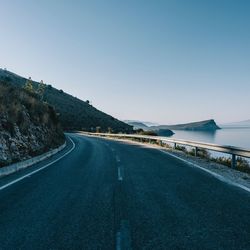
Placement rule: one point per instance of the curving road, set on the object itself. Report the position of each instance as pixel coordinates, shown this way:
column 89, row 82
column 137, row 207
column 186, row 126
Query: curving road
column 116, row 195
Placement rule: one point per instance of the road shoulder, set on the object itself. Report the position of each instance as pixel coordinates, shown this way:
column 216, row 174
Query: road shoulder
column 221, row 172
column 10, row 179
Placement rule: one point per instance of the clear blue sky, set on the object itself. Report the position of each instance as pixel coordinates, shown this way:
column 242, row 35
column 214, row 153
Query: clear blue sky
column 166, row 61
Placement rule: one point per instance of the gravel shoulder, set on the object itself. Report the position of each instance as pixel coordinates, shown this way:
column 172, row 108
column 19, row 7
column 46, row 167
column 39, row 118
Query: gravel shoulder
column 232, row 175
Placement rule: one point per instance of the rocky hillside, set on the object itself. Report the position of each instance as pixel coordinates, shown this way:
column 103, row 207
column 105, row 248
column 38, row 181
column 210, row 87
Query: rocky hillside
column 28, row 127
column 74, row 114
column 208, row 125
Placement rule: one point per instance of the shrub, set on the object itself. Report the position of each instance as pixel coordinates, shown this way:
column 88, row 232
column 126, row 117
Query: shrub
column 181, row 148
column 203, row 153
column 29, row 86
column 243, row 165
column 150, row 133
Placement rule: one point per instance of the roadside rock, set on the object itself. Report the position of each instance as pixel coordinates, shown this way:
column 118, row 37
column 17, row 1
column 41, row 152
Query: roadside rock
column 28, row 127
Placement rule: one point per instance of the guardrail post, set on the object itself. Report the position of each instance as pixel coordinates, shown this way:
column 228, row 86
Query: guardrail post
column 196, row 151
column 174, row 145
column 233, row 163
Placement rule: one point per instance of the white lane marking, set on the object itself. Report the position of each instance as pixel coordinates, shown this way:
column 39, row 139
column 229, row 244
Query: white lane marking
column 120, row 177
column 117, row 158
column 123, row 237
column 38, row 170
column 217, row 176
column 118, row 241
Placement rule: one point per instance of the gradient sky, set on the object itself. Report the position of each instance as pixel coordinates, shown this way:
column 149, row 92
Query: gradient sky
column 165, row 61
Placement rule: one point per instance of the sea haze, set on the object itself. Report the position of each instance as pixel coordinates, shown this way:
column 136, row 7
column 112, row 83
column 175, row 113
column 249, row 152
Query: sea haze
column 239, row 137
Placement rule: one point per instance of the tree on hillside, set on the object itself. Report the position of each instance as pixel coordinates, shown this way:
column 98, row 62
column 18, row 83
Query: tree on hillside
column 29, row 86
column 41, row 89
column 109, row 130
column 88, row 102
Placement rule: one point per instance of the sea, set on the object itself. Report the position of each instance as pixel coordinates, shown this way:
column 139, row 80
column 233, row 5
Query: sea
column 228, row 136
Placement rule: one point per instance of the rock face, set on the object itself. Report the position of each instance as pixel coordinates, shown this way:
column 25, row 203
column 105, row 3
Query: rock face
column 208, row 125
column 164, row 132
column 27, row 126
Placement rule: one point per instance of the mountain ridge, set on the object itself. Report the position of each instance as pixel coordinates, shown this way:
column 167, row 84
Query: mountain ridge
column 137, row 125
column 74, row 114
column 245, row 123
column 200, row 125
column 194, row 126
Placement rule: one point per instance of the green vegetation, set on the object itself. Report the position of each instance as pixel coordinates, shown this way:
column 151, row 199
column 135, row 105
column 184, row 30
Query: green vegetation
column 15, row 101
column 27, row 126
column 149, row 132
column 41, row 90
column 203, row 153
column 28, row 86
column 79, row 115
column 242, row 164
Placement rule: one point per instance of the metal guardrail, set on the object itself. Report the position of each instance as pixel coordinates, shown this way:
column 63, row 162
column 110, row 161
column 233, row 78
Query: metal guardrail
column 233, row 151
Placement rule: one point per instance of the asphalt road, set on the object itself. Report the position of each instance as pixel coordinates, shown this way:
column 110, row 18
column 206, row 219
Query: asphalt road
column 115, row 195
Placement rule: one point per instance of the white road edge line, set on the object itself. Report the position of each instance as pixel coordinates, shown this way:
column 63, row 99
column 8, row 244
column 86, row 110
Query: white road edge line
column 38, row 170
column 217, row 176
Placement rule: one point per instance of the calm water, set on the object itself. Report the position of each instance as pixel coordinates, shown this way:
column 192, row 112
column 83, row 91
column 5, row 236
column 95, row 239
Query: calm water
column 239, row 137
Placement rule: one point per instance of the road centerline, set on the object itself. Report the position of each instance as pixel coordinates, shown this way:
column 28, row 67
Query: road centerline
column 123, row 237
column 118, row 158
column 120, row 177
